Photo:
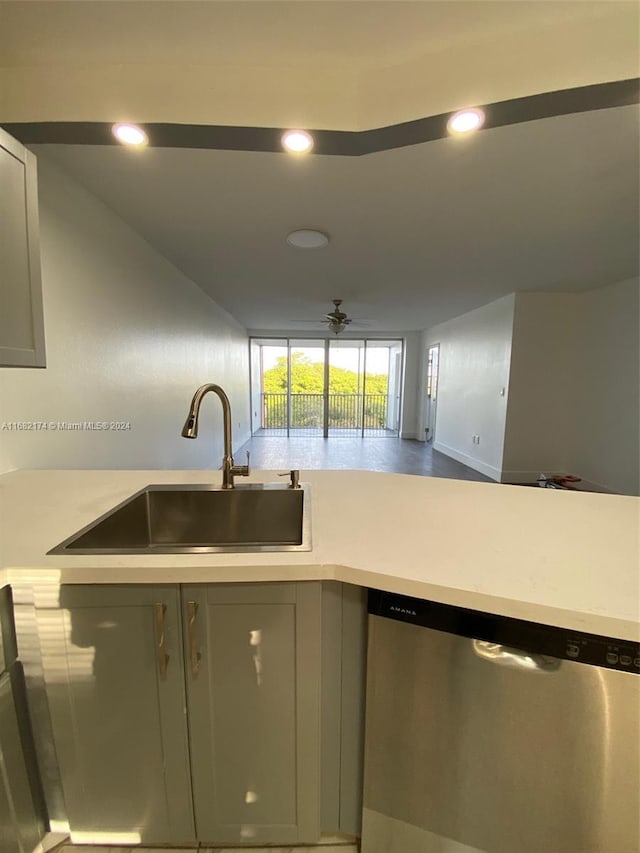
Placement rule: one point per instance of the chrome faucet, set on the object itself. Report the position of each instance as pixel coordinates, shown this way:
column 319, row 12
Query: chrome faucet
column 190, row 430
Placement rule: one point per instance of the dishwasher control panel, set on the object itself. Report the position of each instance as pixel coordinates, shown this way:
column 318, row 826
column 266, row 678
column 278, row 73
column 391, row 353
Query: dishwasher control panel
column 563, row 643
column 603, row 651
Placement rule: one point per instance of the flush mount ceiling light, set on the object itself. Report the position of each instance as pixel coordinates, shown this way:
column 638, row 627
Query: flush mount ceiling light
column 465, row 121
column 129, row 134
column 308, row 238
column 297, row 141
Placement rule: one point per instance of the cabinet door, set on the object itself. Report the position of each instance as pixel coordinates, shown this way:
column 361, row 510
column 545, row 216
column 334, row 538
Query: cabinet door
column 253, row 690
column 21, row 320
column 112, row 659
column 21, row 828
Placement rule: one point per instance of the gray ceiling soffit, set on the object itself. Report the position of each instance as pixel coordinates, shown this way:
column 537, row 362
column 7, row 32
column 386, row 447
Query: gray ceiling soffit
column 336, row 142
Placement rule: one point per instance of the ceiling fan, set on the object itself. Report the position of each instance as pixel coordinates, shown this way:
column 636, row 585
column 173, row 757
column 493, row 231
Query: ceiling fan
column 337, row 320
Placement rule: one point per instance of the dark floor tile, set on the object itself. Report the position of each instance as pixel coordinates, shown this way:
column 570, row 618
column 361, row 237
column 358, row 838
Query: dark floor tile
column 380, row 453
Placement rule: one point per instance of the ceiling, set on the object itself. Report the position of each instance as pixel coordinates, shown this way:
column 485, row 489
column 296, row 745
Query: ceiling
column 418, row 234
column 349, row 34
column 324, row 64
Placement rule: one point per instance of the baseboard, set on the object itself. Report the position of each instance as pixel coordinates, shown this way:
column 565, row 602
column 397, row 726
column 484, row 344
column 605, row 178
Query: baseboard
column 410, row 435
column 470, row 461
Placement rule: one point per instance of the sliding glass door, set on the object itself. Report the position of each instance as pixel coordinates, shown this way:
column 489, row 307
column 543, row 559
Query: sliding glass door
column 383, row 385
column 270, row 387
column 336, row 387
column 346, row 386
column 306, row 387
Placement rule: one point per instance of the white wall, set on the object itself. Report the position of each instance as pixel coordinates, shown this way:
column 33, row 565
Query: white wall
column 474, row 371
column 541, row 415
column 571, row 362
column 574, row 388
column 605, row 441
column 129, row 338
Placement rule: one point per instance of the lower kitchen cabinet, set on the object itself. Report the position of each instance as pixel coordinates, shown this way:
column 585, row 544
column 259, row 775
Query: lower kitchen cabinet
column 113, row 667
column 219, row 713
column 253, row 693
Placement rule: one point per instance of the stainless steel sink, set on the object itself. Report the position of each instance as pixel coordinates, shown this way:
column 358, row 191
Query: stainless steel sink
column 199, row 519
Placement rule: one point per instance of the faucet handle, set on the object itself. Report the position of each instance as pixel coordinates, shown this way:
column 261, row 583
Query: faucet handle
column 295, row 478
column 242, row 470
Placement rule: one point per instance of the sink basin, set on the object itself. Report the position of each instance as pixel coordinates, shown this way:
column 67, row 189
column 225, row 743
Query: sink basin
column 193, row 519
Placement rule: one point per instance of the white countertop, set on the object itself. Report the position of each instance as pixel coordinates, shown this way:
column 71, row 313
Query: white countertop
column 562, row 558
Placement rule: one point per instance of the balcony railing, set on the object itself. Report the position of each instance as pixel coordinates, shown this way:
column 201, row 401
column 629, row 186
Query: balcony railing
column 306, row 411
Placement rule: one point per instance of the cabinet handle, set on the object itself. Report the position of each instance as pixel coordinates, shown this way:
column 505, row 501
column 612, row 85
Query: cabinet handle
column 161, row 640
column 194, row 654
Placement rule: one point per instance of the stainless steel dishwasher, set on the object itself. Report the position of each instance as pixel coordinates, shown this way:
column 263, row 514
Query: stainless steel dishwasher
column 486, row 734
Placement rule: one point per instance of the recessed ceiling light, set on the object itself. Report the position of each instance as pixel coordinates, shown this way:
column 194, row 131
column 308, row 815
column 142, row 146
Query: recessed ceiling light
column 308, row 238
column 465, row 121
column 297, row 141
column 129, row 134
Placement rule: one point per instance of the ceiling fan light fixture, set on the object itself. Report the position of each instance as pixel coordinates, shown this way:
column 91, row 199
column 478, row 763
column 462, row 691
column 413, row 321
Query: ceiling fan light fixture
column 308, row 238
column 337, row 320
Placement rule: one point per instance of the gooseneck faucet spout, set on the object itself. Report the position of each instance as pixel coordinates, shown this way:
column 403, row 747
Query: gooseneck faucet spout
column 190, row 430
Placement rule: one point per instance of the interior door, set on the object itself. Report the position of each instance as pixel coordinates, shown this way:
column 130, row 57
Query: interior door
column 431, row 391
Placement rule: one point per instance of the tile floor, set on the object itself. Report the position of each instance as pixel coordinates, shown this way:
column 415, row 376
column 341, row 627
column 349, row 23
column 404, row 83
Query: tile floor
column 397, row 455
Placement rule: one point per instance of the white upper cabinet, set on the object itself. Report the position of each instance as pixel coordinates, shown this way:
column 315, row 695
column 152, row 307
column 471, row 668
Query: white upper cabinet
column 21, row 317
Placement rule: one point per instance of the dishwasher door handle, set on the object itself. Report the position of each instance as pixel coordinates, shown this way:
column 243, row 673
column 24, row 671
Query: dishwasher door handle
column 515, row 658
